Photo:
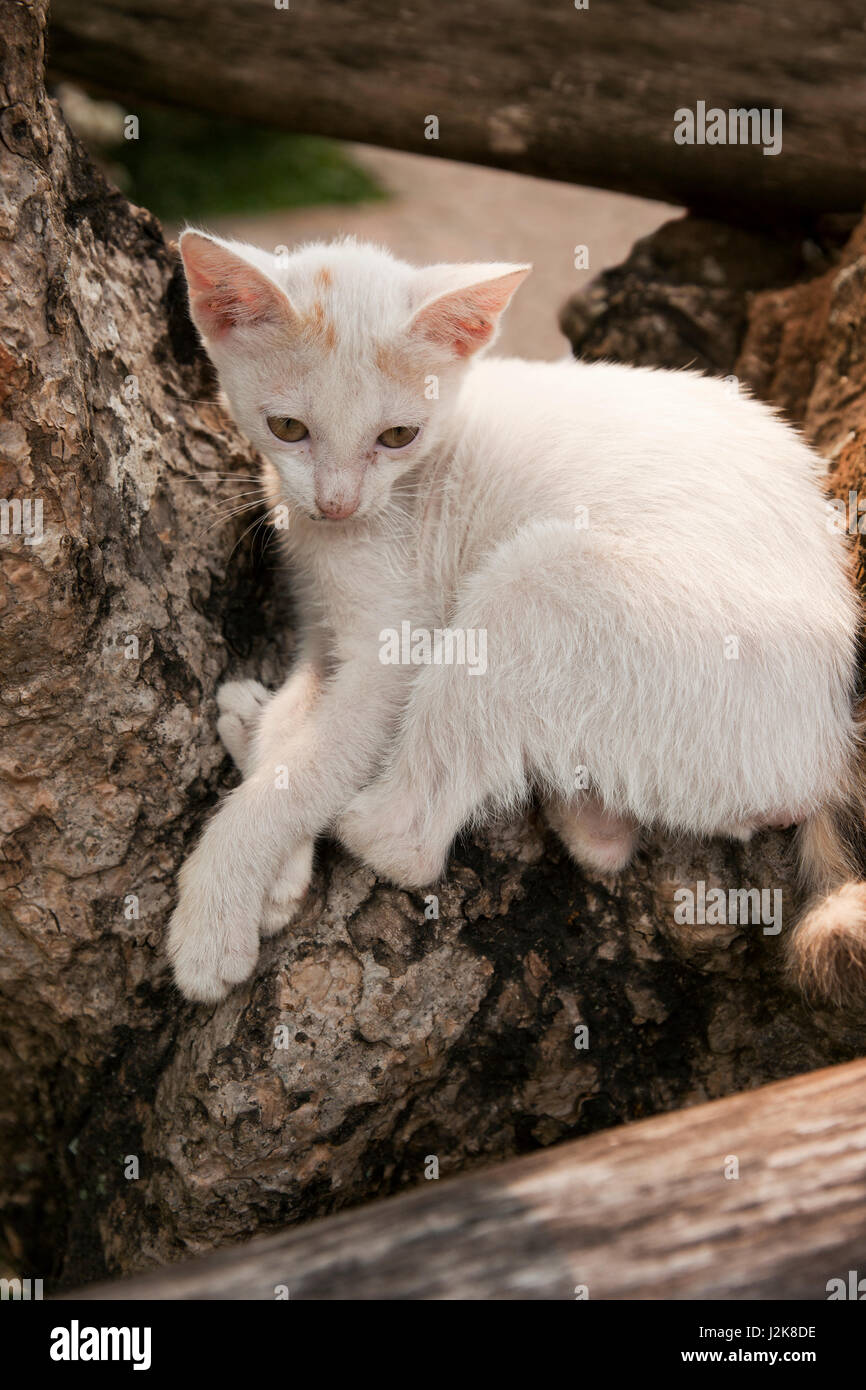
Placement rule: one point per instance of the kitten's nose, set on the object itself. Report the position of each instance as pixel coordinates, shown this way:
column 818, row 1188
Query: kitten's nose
column 338, row 509
column 337, row 487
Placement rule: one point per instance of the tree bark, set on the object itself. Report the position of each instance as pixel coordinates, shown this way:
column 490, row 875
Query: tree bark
column 137, row 1128
column 683, row 297
column 586, row 95
column 771, row 1183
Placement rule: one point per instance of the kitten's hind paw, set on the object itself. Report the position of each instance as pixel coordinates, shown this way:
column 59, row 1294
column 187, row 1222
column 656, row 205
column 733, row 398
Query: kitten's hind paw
column 390, row 842
column 601, row 843
column 241, row 704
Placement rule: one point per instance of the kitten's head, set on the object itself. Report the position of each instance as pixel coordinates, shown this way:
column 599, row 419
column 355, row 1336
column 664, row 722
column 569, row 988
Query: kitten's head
column 340, row 362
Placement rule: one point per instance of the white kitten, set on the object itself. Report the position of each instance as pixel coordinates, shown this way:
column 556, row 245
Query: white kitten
column 668, row 619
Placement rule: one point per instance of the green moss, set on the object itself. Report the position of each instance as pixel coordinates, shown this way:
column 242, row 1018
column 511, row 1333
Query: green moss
column 184, row 165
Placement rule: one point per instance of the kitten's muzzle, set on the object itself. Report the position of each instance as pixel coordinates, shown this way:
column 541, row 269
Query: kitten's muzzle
column 338, row 510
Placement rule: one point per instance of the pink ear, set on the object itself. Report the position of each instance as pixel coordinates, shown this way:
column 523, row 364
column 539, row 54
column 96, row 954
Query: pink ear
column 462, row 303
column 225, row 291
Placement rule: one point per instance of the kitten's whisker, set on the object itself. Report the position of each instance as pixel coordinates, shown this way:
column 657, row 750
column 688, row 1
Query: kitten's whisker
column 229, row 516
column 210, row 474
column 251, row 527
column 196, row 400
column 238, row 511
column 254, row 493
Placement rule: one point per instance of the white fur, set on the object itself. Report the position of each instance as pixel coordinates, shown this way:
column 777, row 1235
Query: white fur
column 617, row 532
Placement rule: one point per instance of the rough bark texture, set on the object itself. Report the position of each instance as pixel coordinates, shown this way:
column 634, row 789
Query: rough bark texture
column 684, row 295
column 585, row 95
column 404, row 1037
column 773, row 1181
column 106, row 760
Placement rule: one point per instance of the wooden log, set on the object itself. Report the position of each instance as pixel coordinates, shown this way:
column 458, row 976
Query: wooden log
column 584, row 95
column 761, row 1195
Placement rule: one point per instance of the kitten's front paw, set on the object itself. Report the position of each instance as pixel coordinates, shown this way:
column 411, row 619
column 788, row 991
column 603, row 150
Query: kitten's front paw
column 284, row 898
column 213, row 939
column 384, row 833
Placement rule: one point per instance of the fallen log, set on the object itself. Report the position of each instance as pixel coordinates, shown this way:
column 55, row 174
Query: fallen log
column 759, row 1196
column 585, row 94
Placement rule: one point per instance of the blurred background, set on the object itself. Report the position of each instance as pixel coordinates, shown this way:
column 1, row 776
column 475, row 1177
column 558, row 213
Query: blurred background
column 274, row 188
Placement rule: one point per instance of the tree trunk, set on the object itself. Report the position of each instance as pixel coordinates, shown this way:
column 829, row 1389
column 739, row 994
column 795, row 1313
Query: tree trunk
column 585, row 95
column 773, row 1181
column 536, row 1006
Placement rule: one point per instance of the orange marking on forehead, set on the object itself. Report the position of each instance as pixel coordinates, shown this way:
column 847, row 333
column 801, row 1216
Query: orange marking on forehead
column 383, row 358
column 324, row 278
column 396, row 365
column 318, row 327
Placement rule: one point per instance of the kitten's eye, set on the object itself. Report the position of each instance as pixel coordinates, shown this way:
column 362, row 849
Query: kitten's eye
column 398, row 436
column 284, row 427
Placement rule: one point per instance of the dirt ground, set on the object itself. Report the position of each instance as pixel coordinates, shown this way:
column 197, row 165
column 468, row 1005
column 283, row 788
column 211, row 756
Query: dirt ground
column 440, row 210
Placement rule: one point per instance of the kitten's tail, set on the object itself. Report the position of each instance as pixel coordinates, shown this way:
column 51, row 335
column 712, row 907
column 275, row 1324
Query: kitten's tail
column 827, row 949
